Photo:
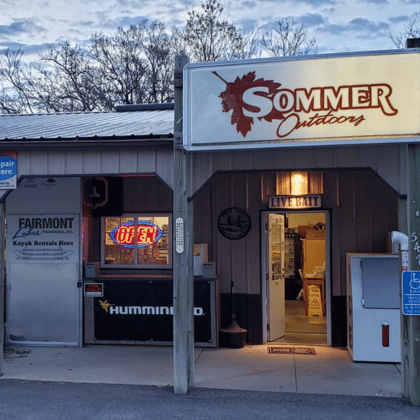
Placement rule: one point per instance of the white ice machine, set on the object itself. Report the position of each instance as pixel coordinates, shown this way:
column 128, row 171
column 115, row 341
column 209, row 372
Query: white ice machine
column 373, row 307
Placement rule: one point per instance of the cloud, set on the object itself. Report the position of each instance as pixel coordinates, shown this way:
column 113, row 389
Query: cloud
column 310, row 20
column 18, row 27
column 248, row 4
column 318, row 3
column 398, row 19
column 27, row 49
column 374, row 1
column 357, row 25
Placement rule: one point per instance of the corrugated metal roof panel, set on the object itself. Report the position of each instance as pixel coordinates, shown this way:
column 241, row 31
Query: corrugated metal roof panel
column 87, row 125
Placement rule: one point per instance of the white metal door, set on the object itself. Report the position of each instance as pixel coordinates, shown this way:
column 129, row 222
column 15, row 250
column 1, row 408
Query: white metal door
column 43, row 279
column 276, row 312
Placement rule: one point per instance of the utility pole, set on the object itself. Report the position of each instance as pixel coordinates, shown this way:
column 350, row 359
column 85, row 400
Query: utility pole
column 410, row 349
column 183, row 341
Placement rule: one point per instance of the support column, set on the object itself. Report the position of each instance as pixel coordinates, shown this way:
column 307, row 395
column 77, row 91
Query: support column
column 183, row 347
column 410, row 352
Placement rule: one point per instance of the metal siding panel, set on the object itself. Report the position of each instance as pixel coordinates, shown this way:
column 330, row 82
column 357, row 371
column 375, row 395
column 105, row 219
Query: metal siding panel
column 253, row 268
column 92, row 162
column 224, row 245
column 367, row 157
column 283, row 158
column 204, row 219
column 56, row 163
column 146, row 162
column 324, row 157
column 39, row 163
column 110, row 162
column 242, row 160
column 304, row 158
column 363, row 210
column 239, row 247
column 74, row 162
column 345, row 226
column 202, row 170
column 389, row 165
column 264, row 159
column 24, row 163
column 222, row 161
column 128, row 161
column 345, row 157
column 165, row 166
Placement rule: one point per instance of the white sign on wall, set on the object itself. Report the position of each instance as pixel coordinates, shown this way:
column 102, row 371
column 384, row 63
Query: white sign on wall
column 43, row 238
column 8, row 170
column 332, row 99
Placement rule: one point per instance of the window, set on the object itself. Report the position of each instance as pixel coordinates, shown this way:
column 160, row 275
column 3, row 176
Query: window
column 137, row 241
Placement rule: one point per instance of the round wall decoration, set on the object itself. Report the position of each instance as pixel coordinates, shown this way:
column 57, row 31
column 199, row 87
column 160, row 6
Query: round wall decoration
column 234, row 223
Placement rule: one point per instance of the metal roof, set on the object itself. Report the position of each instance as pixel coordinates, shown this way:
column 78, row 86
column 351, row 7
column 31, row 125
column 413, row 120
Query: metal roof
column 134, row 123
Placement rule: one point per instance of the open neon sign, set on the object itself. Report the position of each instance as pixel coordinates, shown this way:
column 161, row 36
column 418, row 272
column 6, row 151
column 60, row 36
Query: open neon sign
column 147, row 234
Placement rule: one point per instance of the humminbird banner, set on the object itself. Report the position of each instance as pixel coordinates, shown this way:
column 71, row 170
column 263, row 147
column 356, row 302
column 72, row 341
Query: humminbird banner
column 142, row 310
column 332, row 99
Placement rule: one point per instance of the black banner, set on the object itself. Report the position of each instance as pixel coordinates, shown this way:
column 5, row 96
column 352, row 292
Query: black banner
column 142, row 310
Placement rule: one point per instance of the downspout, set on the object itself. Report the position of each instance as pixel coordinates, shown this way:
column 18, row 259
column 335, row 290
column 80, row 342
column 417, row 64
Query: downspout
column 401, row 239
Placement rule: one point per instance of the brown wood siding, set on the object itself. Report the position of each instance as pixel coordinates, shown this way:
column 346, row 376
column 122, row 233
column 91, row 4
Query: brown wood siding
column 363, row 210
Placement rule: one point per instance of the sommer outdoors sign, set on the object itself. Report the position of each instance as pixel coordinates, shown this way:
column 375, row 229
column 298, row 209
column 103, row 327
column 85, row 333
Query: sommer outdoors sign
column 307, row 101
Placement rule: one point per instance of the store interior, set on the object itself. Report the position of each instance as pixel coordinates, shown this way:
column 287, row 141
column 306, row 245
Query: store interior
column 304, row 261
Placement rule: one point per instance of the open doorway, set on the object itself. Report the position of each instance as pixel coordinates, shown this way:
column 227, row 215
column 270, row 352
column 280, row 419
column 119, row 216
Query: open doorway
column 294, row 268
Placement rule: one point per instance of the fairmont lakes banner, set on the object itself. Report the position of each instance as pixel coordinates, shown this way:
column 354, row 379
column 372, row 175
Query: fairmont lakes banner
column 318, row 100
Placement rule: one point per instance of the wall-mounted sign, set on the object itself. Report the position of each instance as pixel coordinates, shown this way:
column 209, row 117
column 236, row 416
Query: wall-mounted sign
column 147, row 234
column 94, row 289
column 287, row 102
column 8, row 171
column 411, row 293
column 43, row 238
column 294, row 202
column 234, row 223
column 142, row 310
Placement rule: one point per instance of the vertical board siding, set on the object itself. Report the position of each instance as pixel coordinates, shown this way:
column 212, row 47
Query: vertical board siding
column 74, row 162
column 110, row 162
column 363, row 211
column 253, row 261
column 239, row 247
column 128, row 161
column 387, row 160
column 224, row 246
column 97, row 162
column 56, row 162
column 39, row 163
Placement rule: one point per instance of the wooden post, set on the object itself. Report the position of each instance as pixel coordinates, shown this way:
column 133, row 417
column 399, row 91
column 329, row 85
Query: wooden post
column 410, row 334
column 183, row 347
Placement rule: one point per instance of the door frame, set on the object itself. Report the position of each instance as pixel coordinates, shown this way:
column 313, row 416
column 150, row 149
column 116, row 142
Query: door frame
column 264, row 296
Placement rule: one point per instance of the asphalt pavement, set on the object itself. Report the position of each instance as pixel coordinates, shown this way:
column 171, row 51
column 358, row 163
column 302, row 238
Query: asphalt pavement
column 35, row 400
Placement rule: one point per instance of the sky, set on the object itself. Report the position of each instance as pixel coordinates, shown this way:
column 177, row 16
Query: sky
column 339, row 26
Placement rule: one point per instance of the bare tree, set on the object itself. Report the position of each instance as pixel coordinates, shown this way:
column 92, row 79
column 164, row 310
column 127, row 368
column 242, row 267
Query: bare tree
column 287, row 38
column 208, row 37
column 134, row 65
column 74, row 82
column 411, row 30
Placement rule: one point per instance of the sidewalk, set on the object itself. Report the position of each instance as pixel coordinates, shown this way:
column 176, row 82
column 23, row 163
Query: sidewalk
column 329, row 371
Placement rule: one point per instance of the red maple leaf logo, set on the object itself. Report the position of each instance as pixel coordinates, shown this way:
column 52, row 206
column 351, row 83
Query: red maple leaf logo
column 232, row 99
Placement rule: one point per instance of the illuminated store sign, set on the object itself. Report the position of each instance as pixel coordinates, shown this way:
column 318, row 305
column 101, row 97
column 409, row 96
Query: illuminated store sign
column 294, row 202
column 284, row 102
column 147, row 234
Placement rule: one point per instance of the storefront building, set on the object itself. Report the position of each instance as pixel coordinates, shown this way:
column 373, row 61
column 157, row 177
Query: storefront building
column 308, row 169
